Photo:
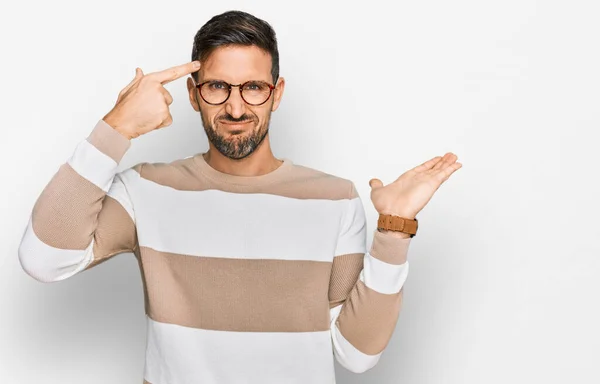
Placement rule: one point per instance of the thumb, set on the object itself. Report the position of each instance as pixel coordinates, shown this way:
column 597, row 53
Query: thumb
column 375, row 183
column 138, row 75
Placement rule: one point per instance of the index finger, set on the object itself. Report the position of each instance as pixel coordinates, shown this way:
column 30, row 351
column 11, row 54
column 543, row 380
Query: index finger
column 167, row 75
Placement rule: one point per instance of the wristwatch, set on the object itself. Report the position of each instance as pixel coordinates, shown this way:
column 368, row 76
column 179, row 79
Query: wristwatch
column 398, row 224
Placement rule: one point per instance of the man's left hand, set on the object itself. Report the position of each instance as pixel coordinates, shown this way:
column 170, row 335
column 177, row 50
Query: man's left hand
column 409, row 193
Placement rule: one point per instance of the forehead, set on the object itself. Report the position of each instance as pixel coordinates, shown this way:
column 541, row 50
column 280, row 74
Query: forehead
column 236, row 64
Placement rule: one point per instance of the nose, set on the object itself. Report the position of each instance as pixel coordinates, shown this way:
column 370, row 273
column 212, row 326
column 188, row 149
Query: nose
column 235, row 105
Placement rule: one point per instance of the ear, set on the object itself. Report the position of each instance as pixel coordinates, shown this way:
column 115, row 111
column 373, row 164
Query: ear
column 193, row 94
column 278, row 93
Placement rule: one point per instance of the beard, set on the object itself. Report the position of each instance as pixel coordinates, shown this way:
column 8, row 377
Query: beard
column 236, row 146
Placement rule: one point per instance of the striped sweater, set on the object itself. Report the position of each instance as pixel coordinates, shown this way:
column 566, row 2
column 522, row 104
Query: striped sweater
column 262, row 279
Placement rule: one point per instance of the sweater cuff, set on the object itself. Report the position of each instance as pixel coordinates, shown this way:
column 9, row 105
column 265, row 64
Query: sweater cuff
column 109, row 141
column 389, row 249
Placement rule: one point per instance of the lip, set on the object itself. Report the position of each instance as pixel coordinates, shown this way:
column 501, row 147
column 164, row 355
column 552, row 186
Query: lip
column 243, row 123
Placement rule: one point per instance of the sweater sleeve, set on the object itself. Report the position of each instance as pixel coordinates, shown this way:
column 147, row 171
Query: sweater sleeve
column 84, row 215
column 365, row 292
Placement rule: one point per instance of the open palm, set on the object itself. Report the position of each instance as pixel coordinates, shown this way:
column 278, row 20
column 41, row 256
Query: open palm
column 410, row 192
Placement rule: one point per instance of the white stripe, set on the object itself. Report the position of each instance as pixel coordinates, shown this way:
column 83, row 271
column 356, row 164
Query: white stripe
column 383, row 277
column 235, row 225
column 334, row 313
column 48, row 264
column 94, row 165
column 183, row 355
column 118, row 191
column 353, row 236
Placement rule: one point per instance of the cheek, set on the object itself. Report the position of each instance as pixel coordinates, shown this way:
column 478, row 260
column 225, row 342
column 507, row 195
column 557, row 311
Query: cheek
column 210, row 115
column 262, row 115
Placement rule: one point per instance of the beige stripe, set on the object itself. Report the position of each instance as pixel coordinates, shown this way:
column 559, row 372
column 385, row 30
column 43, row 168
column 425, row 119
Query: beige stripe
column 115, row 232
column 368, row 318
column 345, row 272
column 71, row 210
column 109, row 141
column 138, row 257
column 390, row 249
column 300, row 183
column 65, row 213
column 225, row 294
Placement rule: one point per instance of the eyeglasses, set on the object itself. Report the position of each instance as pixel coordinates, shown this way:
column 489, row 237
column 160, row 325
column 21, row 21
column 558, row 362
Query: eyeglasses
column 253, row 92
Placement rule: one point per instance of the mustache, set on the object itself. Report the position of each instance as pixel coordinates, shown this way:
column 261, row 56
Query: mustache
column 241, row 119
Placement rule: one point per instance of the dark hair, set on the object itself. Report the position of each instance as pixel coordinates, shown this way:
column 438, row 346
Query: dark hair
column 236, row 28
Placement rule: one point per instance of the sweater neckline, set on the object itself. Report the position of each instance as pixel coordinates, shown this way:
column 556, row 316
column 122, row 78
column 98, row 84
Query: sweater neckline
column 217, row 175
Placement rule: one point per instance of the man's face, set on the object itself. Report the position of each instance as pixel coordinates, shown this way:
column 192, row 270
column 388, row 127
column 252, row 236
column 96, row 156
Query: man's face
column 236, row 128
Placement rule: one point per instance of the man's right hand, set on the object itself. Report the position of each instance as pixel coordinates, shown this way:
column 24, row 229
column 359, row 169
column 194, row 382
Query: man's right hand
column 143, row 105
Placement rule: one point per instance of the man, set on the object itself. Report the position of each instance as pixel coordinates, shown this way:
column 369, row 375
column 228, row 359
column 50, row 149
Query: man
column 255, row 269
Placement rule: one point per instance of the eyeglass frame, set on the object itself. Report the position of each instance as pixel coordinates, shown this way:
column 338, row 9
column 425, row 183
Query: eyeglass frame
column 229, row 86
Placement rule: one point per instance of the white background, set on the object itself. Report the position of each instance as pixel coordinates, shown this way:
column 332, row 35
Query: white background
column 505, row 268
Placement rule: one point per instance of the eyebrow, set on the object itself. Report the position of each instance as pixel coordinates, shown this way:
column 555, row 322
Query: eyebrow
column 214, row 79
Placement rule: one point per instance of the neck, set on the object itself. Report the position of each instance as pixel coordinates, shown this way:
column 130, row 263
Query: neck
column 259, row 162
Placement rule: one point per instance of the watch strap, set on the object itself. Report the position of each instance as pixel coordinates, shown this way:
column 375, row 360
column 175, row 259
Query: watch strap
column 398, row 224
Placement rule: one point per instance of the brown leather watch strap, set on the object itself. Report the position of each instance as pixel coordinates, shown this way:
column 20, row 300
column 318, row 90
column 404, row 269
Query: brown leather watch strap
column 398, row 224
